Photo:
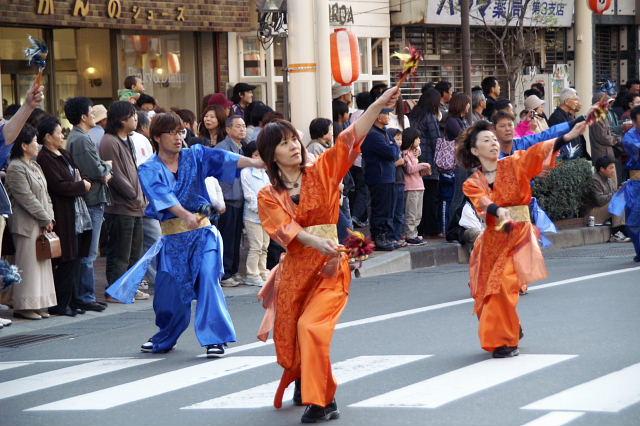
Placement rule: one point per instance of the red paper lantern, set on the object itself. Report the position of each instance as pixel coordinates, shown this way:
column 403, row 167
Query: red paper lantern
column 173, row 62
column 600, row 6
column 140, row 43
column 345, row 56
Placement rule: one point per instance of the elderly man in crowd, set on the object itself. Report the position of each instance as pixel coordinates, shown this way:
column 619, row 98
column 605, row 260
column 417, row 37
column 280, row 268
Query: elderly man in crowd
column 566, row 112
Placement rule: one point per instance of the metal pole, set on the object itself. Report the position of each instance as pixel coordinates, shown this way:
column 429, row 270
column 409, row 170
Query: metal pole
column 466, row 47
column 285, row 80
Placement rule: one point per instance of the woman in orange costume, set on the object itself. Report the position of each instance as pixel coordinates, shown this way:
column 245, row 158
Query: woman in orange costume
column 507, row 254
column 300, row 211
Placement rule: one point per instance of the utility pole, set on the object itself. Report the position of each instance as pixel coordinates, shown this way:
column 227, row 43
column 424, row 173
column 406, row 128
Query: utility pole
column 466, row 47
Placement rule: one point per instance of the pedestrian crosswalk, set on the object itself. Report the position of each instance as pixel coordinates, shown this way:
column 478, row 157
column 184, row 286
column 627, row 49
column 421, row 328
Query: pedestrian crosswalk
column 608, row 393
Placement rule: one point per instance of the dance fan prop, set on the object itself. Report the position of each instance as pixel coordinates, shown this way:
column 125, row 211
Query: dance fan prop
column 9, row 275
column 410, row 62
column 599, row 111
column 358, row 247
column 37, row 56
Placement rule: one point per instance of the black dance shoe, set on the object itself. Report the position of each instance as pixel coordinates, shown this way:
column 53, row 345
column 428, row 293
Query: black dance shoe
column 317, row 414
column 215, row 351
column 506, row 352
column 297, row 394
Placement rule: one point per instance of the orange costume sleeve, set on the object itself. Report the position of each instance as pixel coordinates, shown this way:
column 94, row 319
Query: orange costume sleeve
column 305, row 304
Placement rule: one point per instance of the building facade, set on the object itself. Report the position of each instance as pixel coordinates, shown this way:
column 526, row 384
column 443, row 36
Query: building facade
column 174, row 46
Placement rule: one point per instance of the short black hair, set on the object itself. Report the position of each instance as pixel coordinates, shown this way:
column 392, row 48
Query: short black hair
column 249, row 149
column 319, row 127
column 631, row 82
column 501, row 115
column 502, row 104
column 143, row 121
column 635, row 112
column 409, row 136
column 603, row 162
column 46, row 127
column 532, row 92
column 338, row 108
column 145, row 99
column 257, row 112
column 130, row 81
column 363, row 100
column 76, row 107
column 118, row 112
column 488, row 83
column 442, row 87
column 540, row 88
column 25, row 136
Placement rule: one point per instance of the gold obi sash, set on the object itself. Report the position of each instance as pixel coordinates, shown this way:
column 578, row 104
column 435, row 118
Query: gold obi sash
column 519, row 213
column 634, row 174
column 178, row 226
column 324, row 231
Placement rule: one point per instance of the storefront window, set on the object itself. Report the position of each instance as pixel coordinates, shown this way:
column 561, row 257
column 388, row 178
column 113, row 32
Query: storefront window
column 377, row 56
column 364, row 50
column 278, row 54
column 252, row 58
column 166, row 64
column 16, row 75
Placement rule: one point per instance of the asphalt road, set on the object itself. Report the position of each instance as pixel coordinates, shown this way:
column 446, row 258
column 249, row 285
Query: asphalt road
column 406, row 352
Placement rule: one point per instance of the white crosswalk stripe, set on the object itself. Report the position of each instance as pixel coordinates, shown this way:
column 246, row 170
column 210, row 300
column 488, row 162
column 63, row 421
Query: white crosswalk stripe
column 66, row 375
column 156, row 385
column 345, row 371
column 448, row 387
column 610, row 393
column 555, row 418
column 10, row 365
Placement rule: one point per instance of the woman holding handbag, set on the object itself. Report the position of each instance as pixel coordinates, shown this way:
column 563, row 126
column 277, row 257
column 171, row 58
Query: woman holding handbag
column 72, row 221
column 32, row 214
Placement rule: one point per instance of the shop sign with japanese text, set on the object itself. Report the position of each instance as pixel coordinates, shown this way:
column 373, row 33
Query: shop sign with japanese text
column 495, row 12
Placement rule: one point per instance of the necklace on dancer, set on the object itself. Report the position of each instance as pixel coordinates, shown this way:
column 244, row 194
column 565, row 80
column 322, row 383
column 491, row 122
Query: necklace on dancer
column 292, row 184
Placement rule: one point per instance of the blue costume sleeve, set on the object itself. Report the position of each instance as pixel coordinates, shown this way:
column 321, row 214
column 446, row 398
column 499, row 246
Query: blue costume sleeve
column 5, row 150
column 221, row 164
column 631, row 143
column 618, row 203
column 155, row 186
column 552, row 133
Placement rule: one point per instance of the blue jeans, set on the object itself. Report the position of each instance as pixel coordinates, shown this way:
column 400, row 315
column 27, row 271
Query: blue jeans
column 344, row 220
column 152, row 233
column 85, row 292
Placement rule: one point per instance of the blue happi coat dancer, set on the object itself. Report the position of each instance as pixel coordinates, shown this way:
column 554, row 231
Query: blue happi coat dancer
column 627, row 199
column 189, row 254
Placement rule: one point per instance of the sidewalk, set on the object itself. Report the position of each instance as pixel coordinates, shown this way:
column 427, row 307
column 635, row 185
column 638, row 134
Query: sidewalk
column 436, row 252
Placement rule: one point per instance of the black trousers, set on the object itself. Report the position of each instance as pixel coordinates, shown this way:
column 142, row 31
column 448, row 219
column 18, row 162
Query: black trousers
column 66, row 277
column 430, row 223
column 124, row 244
column 230, row 226
column 383, row 200
column 359, row 196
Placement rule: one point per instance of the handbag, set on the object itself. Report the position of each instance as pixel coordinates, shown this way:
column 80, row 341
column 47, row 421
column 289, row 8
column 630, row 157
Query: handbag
column 48, row 246
column 445, row 156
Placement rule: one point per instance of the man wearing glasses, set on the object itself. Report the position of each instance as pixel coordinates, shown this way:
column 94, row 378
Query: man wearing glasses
column 230, row 223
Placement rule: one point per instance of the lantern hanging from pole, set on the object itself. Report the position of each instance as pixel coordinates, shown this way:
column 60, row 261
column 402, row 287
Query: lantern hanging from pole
column 345, row 56
column 600, row 6
column 173, row 62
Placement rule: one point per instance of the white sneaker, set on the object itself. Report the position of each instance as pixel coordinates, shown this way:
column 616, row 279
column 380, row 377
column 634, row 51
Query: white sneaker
column 619, row 237
column 229, row 282
column 141, row 295
column 265, row 275
column 238, row 278
column 255, row 280
column 144, row 285
column 5, row 322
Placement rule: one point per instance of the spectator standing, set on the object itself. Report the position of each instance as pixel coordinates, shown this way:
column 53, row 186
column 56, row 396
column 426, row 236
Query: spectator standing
column 379, row 155
column 446, row 92
column 491, row 89
column 79, row 112
column 630, row 101
column 221, row 100
column 564, row 113
column 340, row 116
column 321, row 133
column 258, row 111
column 188, row 122
column 633, row 86
column 230, row 223
column 211, row 128
column 72, row 219
column 413, row 185
column 602, row 189
column 32, row 212
column 242, row 97
column 100, row 119
column 123, row 217
column 602, row 141
column 342, row 93
column 147, row 104
column 426, row 120
column 140, row 139
column 398, row 189
column 535, row 106
column 359, row 197
column 253, row 180
column 478, row 105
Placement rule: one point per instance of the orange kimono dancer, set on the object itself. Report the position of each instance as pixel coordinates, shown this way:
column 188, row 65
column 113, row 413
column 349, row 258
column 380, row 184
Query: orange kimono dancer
column 308, row 290
column 501, row 261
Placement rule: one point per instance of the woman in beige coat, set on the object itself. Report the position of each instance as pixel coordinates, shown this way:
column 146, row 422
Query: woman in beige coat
column 32, row 213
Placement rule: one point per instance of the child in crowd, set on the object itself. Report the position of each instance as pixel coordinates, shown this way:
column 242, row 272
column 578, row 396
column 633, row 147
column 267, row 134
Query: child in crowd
column 413, row 184
column 398, row 213
column 253, row 180
column 133, row 87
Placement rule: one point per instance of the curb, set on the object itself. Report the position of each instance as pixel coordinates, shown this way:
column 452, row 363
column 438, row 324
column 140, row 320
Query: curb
column 443, row 253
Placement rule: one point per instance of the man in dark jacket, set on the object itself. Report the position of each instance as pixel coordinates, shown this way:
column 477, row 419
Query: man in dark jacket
column 98, row 172
column 379, row 154
column 491, row 90
column 123, row 217
column 564, row 113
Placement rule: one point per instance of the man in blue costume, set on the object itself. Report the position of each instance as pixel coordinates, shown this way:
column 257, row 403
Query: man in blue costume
column 627, row 199
column 189, row 253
